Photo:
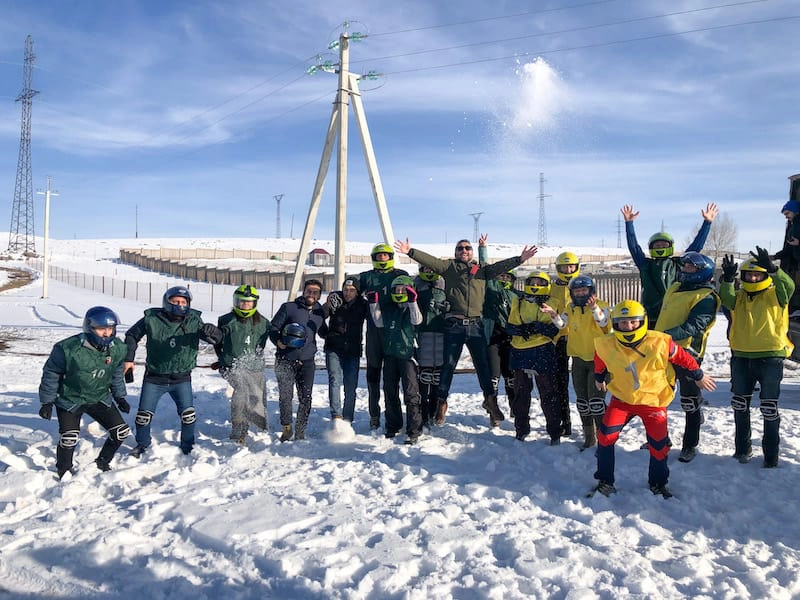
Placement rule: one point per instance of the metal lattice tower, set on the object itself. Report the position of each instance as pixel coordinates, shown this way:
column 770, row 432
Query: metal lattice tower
column 542, row 241
column 476, row 230
column 20, row 238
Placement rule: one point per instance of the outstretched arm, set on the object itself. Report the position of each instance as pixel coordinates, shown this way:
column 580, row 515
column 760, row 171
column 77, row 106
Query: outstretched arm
column 709, row 214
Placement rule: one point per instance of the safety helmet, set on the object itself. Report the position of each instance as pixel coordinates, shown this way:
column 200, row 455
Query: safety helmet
column 704, row 265
column 564, row 260
column 293, row 335
column 382, row 265
column 661, row 236
column 507, row 283
column 400, row 282
column 96, row 317
column 175, row 309
column 629, row 309
column 581, row 281
column 428, row 274
column 534, row 288
column 245, row 293
column 754, row 286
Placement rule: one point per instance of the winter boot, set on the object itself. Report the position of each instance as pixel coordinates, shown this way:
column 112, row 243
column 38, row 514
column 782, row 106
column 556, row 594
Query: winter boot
column 286, row 434
column 589, row 432
column 102, row 465
column 495, row 414
column 138, row 450
column 441, row 412
column 687, row 455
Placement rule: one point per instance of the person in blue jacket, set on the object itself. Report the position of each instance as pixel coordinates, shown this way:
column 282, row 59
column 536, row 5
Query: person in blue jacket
column 660, row 270
column 294, row 330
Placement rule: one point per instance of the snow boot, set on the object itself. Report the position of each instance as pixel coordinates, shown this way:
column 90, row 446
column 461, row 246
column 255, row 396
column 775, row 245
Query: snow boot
column 286, row 434
column 441, row 412
column 495, row 414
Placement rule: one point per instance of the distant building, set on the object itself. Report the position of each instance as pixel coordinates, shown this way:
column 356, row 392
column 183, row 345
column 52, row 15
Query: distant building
column 319, row 257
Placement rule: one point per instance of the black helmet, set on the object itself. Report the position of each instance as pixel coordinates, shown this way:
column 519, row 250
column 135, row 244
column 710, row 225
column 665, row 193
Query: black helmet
column 581, row 281
column 175, row 309
column 293, row 335
column 100, row 316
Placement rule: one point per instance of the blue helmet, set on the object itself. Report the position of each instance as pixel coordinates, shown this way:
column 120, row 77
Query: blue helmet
column 100, row 316
column 582, row 281
column 293, row 335
column 703, row 264
column 175, row 309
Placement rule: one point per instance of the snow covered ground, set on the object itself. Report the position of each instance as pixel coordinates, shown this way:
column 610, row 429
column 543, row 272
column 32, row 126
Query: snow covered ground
column 467, row 513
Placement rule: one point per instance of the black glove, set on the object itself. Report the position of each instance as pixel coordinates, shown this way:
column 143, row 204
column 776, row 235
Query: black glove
column 763, row 260
column 123, row 405
column 212, row 333
column 335, row 300
column 729, row 268
column 46, row 411
column 526, row 330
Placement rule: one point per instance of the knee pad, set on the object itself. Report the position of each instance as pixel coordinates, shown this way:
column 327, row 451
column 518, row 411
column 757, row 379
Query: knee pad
column 769, row 408
column 583, row 407
column 509, row 381
column 188, row 416
column 426, row 376
column 740, row 403
column 143, row 417
column 691, row 404
column 69, row 439
column 119, row 433
column 597, row 406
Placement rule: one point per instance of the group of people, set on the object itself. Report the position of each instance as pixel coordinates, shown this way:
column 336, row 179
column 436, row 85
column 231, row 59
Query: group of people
column 416, row 329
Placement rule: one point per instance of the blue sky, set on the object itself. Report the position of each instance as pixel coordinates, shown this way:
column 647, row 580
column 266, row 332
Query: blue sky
column 198, row 113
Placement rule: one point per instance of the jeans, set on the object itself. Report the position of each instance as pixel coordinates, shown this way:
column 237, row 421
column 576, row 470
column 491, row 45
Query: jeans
column 181, row 394
column 342, row 370
column 456, row 335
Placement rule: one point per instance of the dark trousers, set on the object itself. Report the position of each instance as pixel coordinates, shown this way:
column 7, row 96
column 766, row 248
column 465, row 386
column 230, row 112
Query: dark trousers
column 375, row 360
column 523, row 387
column 562, row 385
column 456, row 336
column 768, row 373
column 291, row 375
column 497, row 353
column 395, row 371
column 69, row 424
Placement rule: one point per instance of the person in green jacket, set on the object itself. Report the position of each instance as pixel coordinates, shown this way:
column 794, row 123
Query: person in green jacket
column 759, row 345
column 173, row 335
column 465, row 289
column 245, row 332
column 81, row 376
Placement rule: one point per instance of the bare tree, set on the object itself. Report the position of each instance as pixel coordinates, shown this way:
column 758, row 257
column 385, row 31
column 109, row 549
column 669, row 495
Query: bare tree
column 722, row 239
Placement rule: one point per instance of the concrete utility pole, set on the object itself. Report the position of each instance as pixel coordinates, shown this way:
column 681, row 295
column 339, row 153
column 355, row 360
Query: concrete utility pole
column 338, row 130
column 46, row 261
column 278, row 198
column 476, row 231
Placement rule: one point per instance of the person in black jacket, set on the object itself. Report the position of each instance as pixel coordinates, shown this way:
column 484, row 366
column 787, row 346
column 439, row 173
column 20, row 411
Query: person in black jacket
column 346, row 312
column 294, row 330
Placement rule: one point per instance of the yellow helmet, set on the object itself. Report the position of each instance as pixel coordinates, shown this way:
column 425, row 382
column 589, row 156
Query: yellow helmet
column 535, row 288
column 565, row 259
column 754, row 286
column 382, row 265
column 627, row 310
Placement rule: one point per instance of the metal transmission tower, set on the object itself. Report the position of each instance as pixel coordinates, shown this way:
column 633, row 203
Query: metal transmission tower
column 278, row 198
column 542, row 241
column 619, row 231
column 20, row 238
column 476, row 232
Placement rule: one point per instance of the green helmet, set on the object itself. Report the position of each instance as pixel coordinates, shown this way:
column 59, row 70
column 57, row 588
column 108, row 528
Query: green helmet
column 245, row 293
column 661, row 236
column 507, row 279
column 428, row 274
column 382, row 265
column 400, row 283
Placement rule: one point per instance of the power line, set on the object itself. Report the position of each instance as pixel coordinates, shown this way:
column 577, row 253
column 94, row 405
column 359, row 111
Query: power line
column 598, row 45
column 563, row 31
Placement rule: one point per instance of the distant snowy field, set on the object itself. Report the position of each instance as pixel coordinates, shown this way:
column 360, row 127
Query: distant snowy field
column 467, row 513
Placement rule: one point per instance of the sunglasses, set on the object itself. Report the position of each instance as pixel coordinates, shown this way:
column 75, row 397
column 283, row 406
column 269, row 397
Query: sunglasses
column 460, row 248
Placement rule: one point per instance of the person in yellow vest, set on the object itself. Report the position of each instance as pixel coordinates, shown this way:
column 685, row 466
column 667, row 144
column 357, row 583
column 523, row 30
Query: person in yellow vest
column 688, row 312
column 759, row 344
column 642, row 383
column 568, row 266
column 533, row 356
column 584, row 318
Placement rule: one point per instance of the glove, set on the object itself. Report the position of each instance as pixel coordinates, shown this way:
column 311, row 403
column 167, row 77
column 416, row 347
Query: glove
column 123, row 405
column 129, row 376
column 372, row 297
column 46, row 411
column 526, row 330
column 729, row 268
column 334, row 301
column 412, row 293
column 212, row 333
column 215, row 365
column 763, row 260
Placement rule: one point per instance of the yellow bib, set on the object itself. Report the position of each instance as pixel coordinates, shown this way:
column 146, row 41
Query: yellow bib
column 523, row 311
column 582, row 330
column 676, row 308
column 760, row 324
